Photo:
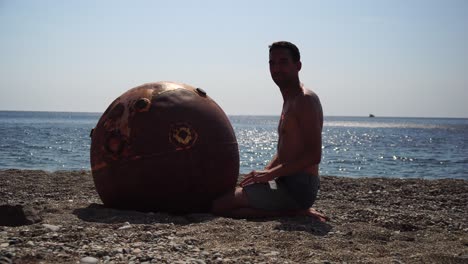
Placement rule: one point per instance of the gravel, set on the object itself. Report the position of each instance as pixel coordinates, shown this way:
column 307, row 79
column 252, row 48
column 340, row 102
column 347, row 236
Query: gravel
column 372, row 220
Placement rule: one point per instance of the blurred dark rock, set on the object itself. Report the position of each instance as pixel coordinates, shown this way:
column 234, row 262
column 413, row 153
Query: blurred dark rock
column 18, row 215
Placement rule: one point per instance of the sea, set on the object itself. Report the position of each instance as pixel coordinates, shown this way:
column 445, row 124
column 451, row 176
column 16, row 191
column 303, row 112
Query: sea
column 395, row 147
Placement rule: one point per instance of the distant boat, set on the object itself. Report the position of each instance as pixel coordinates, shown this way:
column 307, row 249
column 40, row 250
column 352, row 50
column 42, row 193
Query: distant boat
column 371, row 115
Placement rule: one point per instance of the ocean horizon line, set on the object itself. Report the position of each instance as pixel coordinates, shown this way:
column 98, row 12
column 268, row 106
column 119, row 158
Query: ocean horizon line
column 259, row 115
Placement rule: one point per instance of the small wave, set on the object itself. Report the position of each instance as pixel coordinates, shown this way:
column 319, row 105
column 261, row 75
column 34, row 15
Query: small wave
column 351, row 124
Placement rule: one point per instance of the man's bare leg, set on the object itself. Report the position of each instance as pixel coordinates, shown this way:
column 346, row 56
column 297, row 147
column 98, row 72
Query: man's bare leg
column 229, row 201
column 236, row 204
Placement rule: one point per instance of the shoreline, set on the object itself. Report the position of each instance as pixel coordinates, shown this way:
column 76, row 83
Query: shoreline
column 372, row 220
column 88, row 171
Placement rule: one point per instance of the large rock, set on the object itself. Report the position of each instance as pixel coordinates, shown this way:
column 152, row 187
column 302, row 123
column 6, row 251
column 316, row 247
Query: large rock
column 18, row 215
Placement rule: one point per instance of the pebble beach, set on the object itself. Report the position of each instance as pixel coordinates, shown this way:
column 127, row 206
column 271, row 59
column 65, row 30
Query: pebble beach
column 57, row 217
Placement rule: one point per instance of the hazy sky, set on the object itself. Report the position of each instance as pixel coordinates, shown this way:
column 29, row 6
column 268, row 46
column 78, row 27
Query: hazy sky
column 389, row 58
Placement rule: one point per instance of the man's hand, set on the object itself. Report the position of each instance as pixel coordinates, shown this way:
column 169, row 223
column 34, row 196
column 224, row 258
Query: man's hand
column 255, row 177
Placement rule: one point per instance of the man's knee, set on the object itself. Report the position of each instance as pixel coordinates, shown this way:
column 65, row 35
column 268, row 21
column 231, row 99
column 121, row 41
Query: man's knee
column 229, row 201
column 223, row 203
column 240, row 198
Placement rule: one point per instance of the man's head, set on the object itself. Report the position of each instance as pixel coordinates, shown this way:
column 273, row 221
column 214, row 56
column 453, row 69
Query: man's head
column 293, row 50
column 285, row 63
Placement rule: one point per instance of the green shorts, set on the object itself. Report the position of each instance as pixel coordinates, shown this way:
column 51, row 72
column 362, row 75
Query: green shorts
column 293, row 192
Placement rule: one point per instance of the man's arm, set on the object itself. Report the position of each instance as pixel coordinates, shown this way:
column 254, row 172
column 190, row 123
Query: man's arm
column 273, row 163
column 309, row 118
column 250, row 176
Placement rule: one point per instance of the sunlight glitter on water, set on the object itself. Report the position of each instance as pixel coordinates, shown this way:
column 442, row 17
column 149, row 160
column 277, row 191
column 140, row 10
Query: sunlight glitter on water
column 351, row 146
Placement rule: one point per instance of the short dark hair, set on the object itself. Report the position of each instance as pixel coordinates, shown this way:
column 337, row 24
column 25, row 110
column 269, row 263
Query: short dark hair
column 295, row 54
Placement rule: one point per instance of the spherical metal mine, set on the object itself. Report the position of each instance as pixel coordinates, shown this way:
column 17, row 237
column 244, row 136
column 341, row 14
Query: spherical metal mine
column 163, row 147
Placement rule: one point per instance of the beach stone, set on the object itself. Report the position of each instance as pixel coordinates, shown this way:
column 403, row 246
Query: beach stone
column 18, row 215
column 272, row 253
column 14, row 240
column 89, row 260
column 127, row 225
column 6, row 260
column 52, row 228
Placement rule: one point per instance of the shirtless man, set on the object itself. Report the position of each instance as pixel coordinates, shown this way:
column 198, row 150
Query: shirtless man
column 289, row 183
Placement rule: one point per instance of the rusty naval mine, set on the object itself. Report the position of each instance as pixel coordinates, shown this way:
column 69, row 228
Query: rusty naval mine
column 163, row 146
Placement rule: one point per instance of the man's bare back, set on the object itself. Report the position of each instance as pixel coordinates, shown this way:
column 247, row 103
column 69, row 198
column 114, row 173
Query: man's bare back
column 293, row 140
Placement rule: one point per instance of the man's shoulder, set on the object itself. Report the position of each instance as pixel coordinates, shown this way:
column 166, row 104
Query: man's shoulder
column 308, row 105
column 308, row 99
column 310, row 94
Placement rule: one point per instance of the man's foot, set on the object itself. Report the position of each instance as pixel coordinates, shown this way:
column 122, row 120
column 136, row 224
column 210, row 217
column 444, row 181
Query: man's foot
column 315, row 214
